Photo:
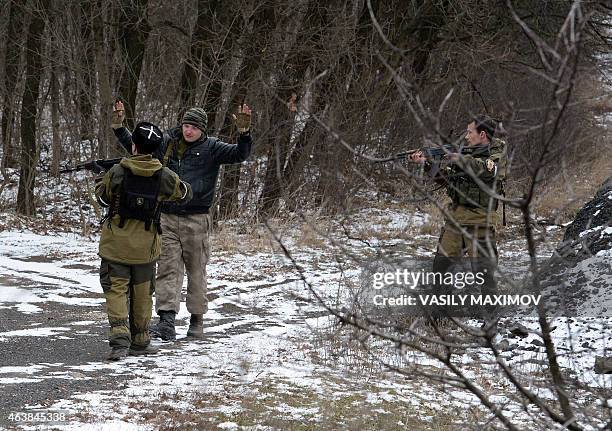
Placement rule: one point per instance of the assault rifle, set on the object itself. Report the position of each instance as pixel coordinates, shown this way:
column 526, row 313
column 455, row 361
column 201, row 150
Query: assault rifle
column 93, row 165
column 436, row 154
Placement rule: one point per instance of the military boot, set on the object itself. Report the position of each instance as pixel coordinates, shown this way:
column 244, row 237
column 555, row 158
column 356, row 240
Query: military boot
column 141, row 351
column 165, row 327
column 117, row 353
column 196, row 326
column 439, row 313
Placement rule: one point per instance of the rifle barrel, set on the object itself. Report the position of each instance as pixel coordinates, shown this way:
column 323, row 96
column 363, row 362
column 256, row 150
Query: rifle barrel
column 105, row 164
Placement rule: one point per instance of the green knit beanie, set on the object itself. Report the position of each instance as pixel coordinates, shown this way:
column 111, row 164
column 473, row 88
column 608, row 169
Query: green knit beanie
column 196, row 117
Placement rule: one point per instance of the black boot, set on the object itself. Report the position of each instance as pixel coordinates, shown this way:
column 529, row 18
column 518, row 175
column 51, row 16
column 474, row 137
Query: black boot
column 196, row 326
column 441, row 265
column 165, row 328
column 140, row 350
column 118, row 353
column 486, row 268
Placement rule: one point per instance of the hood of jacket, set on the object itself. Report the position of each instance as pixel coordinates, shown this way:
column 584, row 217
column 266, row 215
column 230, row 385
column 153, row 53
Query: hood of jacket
column 142, row 165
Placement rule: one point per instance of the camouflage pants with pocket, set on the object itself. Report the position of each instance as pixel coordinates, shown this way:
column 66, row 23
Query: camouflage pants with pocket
column 478, row 242
column 185, row 247
column 128, row 290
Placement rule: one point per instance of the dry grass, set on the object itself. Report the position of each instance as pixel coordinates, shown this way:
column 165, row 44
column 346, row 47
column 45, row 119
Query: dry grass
column 560, row 198
column 269, row 403
column 233, row 239
column 311, row 236
column 256, row 238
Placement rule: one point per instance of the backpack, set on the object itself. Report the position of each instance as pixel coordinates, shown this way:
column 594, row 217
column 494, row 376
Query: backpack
column 138, row 199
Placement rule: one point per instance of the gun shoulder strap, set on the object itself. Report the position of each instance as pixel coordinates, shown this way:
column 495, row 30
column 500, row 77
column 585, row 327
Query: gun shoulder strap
column 113, row 206
column 501, row 143
column 167, row 153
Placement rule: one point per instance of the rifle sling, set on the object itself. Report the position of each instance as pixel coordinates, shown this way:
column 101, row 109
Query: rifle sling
column 167, row 153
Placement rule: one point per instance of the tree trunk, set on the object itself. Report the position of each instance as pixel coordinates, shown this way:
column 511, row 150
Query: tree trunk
column 313, row 140
column 86, row 88
column 11, row 73
column 198, row 57
column 55, row 124
column 282, row 120
column 282, row 124
column 29, row 110
column 431, row 19
column 133, row 34
column 262, row 21
column 105, row 136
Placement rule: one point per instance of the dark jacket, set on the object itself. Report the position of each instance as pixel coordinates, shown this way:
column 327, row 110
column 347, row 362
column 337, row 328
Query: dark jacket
column 199, row 165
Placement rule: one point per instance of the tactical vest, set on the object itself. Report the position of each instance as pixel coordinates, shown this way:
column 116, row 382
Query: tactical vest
column 138, row 199
column 464, row 191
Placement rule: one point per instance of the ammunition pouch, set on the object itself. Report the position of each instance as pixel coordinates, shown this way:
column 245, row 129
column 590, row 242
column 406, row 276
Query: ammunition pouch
column 464, row 191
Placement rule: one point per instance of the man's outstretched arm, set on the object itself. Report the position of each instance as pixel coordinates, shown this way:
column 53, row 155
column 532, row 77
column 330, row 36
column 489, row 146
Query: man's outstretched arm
column 236, row 153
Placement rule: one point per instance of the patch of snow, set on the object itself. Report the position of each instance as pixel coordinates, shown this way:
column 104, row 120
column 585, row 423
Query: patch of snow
column 17, row 380
column 33, row 332
column 31, row 369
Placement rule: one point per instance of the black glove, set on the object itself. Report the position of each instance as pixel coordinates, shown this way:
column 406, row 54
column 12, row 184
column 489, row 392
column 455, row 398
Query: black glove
column 96, row 168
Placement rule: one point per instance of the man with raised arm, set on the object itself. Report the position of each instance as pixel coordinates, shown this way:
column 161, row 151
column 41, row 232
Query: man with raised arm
column 196, row 158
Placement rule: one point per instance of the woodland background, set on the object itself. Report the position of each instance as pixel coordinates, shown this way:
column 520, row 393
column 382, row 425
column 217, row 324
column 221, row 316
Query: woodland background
column 331, row 83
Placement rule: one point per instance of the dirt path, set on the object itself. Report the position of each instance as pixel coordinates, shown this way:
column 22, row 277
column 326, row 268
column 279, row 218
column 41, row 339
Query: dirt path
column 265, row 357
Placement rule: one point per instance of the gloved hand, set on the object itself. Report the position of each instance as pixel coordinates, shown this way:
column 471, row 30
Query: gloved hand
column 118, row 115
column 96, row 168
column 243, row 118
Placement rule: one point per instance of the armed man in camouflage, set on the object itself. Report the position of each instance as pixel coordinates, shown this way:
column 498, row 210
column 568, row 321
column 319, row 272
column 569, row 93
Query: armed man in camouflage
column 472, row 213
column 130, row 241
column 196, row 158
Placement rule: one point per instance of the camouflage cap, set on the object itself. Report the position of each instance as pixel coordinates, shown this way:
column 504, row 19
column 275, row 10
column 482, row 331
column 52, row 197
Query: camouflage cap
column 196, row 117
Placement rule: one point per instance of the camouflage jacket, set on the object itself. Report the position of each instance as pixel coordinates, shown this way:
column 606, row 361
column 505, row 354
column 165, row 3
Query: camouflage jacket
column 471, row 203
column 132, row 244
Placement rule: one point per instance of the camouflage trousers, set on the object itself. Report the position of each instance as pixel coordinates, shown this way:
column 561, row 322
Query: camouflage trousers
column 478, row 242
column 128, row 290
column 185, row 248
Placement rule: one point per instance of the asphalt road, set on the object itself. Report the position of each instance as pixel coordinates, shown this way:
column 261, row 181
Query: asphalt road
column 50, row 358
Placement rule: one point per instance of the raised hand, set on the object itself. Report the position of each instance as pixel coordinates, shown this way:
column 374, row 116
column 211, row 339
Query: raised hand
column 243, row 118
column 118, row 115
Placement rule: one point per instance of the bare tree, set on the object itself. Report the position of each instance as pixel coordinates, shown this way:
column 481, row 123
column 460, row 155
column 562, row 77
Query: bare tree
column 206, row 59
column 133, row 34
column 11, row 73
column 29, row 108
column 250, row 44
column 55, row 122
column 101, row 40
column 307, row 40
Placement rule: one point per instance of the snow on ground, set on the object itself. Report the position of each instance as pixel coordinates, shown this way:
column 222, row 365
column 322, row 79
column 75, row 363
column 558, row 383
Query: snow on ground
column 270, row 356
